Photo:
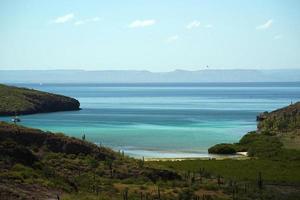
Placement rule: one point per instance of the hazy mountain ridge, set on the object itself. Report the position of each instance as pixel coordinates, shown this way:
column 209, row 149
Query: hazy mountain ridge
column 140, row 76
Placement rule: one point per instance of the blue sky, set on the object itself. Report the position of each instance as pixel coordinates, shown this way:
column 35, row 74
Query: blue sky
column 154, row 35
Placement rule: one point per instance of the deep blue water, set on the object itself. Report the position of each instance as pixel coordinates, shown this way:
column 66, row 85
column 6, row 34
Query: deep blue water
column 163, row 120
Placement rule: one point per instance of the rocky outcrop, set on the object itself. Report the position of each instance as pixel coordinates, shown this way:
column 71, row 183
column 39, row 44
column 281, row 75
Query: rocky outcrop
column 261, row 116
column 281, row 120
column 15, row 100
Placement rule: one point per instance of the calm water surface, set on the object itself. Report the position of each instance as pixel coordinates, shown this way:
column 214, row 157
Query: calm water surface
column 163, row 120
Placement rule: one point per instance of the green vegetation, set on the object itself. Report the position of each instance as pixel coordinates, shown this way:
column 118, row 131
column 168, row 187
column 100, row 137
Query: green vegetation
column 14, row 100
column 222, row 149
column 279, row 179
column 283, row 123
column 277, row 131
column 241, row 170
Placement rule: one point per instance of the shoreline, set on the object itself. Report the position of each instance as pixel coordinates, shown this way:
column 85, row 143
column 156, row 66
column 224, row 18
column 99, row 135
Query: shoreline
column 237, row 156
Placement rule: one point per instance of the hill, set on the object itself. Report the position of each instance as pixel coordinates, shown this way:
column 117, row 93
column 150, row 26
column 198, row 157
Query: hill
column 15, row 100
column 277, row 134
column 280, row 121
column 41, row 165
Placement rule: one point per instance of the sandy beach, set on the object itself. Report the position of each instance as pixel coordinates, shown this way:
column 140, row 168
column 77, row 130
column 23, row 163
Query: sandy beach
column 237, row 156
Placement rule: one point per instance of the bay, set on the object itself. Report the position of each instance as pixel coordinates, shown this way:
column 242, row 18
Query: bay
column 162, row 119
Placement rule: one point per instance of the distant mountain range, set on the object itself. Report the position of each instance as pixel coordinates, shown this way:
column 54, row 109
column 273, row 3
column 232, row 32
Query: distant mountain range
column 135, row 76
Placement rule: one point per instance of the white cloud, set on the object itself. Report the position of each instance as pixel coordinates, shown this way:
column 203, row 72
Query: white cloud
column 266, row 25
column 172, row 38
column 142, row 23
column 193, row 24
column 64, row 19
column 81, row 22
column 278, row 37
column 209, row 26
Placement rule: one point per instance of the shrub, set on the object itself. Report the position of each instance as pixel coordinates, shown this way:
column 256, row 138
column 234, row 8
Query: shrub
column 186, row 194
column 222, row 149
column 261, row 145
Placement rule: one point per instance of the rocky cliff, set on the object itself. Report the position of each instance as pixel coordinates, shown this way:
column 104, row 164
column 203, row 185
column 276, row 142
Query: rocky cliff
column 279, row 121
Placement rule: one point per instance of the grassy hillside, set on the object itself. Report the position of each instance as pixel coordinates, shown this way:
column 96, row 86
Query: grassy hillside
column 277, row 134
column 42, row 164
column 14, row 100
column 280, row 121
column 283, row 123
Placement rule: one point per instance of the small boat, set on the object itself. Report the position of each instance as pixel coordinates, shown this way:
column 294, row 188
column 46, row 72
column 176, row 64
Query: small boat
column 16, row 119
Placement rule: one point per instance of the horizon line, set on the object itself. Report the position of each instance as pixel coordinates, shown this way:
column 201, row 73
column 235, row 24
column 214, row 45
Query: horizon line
column 144, row 70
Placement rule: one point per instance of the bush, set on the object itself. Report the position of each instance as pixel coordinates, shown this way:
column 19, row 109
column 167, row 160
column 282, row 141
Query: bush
column 261, row 145
column 186, row 194
column 22, row 172
column 222, row 149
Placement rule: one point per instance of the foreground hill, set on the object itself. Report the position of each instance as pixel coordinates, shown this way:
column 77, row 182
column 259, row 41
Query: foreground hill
column 41, row 165
column 14, row 100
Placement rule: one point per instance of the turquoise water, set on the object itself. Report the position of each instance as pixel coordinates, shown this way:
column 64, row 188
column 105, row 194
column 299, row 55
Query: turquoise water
column 163, row 120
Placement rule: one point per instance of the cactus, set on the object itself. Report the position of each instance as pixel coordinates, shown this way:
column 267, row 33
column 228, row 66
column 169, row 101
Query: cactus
column 260, row 181
column 141, row 196
column 158, row 192
column 125, row 194
column 219, row 180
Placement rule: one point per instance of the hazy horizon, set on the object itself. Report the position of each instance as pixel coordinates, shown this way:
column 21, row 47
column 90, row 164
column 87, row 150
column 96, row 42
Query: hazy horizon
column 144, row 76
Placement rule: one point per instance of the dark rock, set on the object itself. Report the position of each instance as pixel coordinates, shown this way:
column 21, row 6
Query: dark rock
column 261, row 116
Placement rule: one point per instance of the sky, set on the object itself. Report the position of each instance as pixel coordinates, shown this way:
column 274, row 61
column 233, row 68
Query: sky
column 154, row 35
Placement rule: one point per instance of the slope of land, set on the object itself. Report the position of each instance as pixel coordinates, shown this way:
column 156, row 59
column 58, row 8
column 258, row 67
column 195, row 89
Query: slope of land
column 277, row 134
column 14, row 100
column 283, row 123
column 40, row 165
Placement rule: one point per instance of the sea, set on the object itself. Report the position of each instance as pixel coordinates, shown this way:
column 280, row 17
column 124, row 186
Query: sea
column 162, row 120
